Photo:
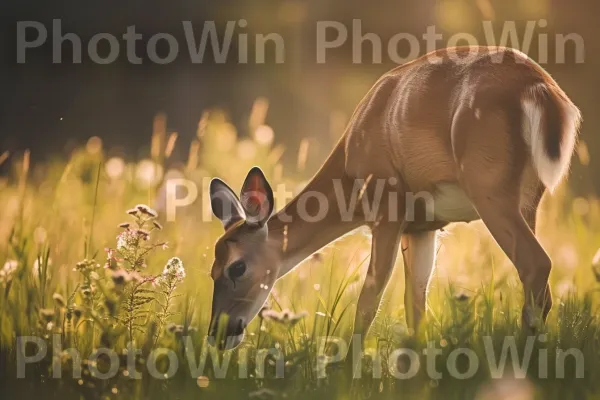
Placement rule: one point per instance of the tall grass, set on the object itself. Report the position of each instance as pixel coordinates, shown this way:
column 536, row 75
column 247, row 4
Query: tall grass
column 73, row 275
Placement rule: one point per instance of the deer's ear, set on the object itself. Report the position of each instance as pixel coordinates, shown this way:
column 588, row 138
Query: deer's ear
column 225, row 204
column 257, row 198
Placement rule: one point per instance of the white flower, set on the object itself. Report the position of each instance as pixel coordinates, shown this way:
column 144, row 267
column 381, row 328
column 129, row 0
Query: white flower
column 59, row 300
column 127, row 240
column 285, row 317
column 173, row 271
column 8, row 270
column 10, row 266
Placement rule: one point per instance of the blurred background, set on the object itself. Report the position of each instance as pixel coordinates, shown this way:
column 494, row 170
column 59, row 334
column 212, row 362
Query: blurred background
column 51, row 109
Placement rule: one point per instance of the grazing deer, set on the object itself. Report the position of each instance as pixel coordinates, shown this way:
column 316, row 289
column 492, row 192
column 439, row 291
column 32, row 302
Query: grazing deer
column 484, row 130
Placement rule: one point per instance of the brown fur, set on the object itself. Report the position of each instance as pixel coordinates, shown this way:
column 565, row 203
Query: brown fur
column 457, row 120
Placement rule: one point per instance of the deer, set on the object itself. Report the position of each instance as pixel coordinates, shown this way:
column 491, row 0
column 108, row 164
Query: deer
column 485, row 131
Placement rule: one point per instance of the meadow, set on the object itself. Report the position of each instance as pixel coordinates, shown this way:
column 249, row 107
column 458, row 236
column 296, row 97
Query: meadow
column 90, row 262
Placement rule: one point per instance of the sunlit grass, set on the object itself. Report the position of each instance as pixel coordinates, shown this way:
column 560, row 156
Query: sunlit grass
column 58, row 215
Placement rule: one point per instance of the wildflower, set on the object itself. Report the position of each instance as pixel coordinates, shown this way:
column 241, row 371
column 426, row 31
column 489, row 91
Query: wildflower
column 178, row 331
column 171, row 327
column 136, row 277
column 59, row 300
column 144, row 209
column 262, row 311
column 86, row 266
column 47, row 314
column 157, row 225
column 111, row 260
column 143, row 234
column 285, row 317
column 173, row 273
column 125, row 225
column 132, row 211
column 127, row 240
column 269, row 314
column 79, row 267
column 8, row 270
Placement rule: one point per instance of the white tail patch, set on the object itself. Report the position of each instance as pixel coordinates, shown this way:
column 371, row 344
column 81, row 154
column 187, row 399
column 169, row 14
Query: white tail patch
column 549, row 171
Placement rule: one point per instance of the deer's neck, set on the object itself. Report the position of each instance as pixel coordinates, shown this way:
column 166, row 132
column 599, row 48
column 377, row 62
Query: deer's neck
column 313, row 219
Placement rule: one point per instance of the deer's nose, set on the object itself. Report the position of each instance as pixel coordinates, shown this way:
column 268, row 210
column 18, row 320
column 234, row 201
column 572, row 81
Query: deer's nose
column 233, row 334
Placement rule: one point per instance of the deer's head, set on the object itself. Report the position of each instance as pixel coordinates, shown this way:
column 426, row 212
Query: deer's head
column 246, row 264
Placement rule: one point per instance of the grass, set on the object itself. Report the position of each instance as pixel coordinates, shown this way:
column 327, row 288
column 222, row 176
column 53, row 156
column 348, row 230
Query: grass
column 59, row 226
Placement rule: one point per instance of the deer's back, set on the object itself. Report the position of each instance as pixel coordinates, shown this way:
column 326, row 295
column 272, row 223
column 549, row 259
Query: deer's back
column 403, row 125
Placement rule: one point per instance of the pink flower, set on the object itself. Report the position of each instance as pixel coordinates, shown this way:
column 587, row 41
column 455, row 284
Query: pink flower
column 111, row 260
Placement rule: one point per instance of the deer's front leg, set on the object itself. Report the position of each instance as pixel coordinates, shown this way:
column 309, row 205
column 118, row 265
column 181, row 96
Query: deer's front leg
column 384, row 249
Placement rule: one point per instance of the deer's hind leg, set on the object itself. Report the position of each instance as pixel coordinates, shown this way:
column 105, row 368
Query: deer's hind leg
column 530, row 202
column 493, row 161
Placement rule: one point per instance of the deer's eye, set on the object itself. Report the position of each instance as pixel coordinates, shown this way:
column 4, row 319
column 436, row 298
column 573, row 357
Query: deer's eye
column 237, row 270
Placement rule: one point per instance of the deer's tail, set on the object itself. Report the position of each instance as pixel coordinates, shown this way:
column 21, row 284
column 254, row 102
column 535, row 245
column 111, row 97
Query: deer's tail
column 550, row 126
